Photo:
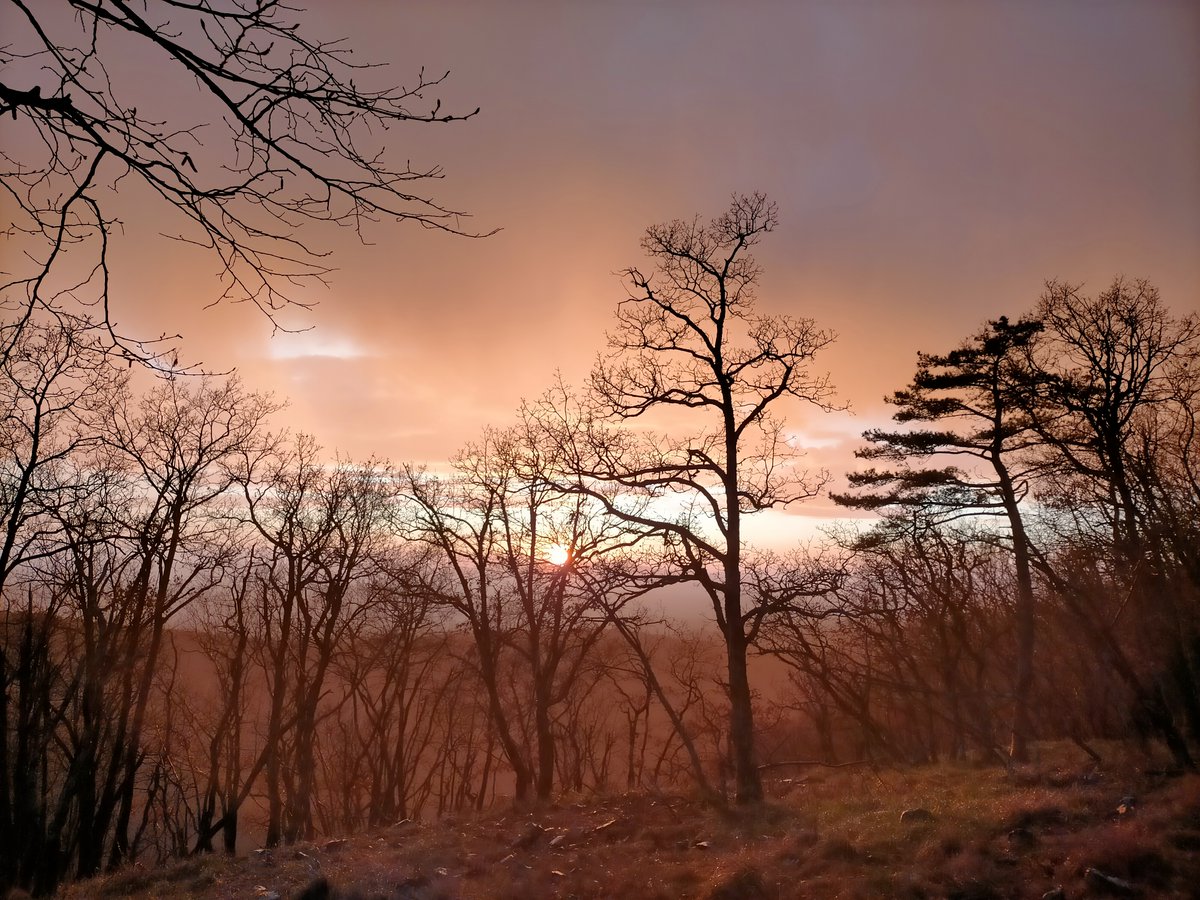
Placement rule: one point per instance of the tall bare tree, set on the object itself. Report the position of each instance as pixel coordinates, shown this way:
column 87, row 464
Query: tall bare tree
column 1111, row 394
column 395, row 663
column 323, row 533
column 138, row 546
column 176, row 445
column 690, row 344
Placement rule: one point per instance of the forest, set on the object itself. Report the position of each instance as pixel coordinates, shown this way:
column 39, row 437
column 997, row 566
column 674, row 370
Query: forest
column 213, row 628
column 216, row 634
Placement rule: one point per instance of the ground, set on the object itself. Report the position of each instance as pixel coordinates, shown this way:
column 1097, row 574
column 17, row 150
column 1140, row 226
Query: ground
column 1121, row 827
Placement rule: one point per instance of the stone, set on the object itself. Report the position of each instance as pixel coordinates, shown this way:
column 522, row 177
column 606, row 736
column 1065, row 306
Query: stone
column 1188, row 841
column 1040, row 818
column 1055, row 894
column 1110, row 883
column 917, row 815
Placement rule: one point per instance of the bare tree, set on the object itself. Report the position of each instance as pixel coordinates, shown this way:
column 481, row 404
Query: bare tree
column 395, row 665
column 456, row 517
column 269, row 128
column 1111, row 394
column 323, row 533
column 533, row 620
column 223, row 635
column 137, row 546
column 176, row 446
column 910, row 654
column 689, row 341
column 54, row 382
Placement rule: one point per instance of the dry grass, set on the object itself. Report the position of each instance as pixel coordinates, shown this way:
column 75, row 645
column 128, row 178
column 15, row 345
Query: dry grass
column 994, row 834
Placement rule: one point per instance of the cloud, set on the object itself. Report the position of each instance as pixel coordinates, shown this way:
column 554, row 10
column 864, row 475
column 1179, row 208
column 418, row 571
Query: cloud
column 316, row 342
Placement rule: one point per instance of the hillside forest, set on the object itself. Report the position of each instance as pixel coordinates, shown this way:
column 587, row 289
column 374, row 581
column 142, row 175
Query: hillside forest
column 218, row 635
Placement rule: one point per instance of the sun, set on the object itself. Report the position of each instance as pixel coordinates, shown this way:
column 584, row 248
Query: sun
column 558, row 554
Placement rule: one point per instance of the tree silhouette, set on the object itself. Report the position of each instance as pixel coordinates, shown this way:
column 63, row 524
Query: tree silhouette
column 1118, row 376
column 269, row 129
column 532, row 622
column 689, row 338
column 974, row 387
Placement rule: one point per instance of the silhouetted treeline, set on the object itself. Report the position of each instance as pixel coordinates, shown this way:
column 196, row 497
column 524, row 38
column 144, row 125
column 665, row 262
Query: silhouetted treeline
column 207, row 627
column 1037, row 568
column 1069, row 438
column 214, row 635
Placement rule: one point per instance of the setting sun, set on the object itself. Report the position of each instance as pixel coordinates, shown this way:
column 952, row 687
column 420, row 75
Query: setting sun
column 558, row 554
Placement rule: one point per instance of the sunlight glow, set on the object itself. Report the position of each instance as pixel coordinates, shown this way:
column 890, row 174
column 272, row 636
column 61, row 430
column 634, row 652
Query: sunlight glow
column 313, row 343
column 558, row 554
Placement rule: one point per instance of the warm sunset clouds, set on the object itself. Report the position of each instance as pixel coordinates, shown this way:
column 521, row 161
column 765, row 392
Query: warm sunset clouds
column 933, row 162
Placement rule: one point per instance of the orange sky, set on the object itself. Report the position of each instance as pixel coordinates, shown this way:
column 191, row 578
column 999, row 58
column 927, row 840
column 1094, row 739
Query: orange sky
column 934, row 163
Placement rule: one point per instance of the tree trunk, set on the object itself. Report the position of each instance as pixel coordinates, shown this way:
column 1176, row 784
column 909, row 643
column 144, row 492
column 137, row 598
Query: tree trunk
column 545, row 741
column 1018, row 750
column 748, row 784
column 500, row 721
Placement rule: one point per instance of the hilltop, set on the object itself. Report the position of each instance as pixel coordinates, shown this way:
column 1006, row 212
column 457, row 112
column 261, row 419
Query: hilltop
column 937, row 831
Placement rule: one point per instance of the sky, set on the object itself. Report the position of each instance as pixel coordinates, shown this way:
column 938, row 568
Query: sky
column 934, row 163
